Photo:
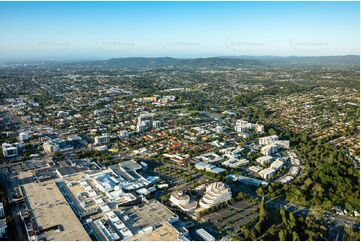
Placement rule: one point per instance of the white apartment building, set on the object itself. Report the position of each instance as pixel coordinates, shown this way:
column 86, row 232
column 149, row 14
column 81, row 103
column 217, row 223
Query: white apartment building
column 294, row 171
column 157, row 124
column 102, row 139
column 277, row 164
column 267, row 140
column 216, row 193
column 267, row 173
column 142, row 127
column 144, row 122
column 259, row 128
column 269, row 150
column 285, row 144
column 235, row 163
column 242, row 126
column 264, row 160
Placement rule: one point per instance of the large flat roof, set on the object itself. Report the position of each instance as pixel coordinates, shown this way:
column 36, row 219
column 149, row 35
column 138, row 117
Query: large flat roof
column 163, row 233
column 51, row 209
column 154, row 214
column 70, row 170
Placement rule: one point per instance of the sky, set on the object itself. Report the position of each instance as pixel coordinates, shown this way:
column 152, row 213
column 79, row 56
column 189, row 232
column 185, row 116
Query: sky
column 101, row 30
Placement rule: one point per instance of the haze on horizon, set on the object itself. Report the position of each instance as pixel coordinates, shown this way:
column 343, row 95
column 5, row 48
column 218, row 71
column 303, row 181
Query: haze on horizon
column 100, row 30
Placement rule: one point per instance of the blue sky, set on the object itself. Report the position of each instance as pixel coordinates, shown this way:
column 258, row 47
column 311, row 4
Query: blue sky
column 98, row 30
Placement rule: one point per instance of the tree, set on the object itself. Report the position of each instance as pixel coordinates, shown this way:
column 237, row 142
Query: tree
column 260, row 191
column 258, row 228
column 284, row 216
column 271, row 131
column 246, row 232
column 295, row 236
column 272, row 230
column 292, row 222
column 262, row 209
column 253, row 235
column 282, row 235
column 57, row 155
column 165, row 197
column 350, row 234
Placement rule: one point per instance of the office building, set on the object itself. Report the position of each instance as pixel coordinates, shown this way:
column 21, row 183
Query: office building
column 10, row 150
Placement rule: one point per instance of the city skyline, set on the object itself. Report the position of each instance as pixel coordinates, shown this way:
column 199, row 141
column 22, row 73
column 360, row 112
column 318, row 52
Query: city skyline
column 93, row 30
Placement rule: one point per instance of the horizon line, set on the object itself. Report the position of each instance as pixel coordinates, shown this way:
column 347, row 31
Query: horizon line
column 56, row 58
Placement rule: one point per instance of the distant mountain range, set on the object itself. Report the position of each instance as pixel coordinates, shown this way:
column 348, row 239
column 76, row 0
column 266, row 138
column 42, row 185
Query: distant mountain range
column 220, row 61
column 230, row 61
column 169, row 61
column 345, row 59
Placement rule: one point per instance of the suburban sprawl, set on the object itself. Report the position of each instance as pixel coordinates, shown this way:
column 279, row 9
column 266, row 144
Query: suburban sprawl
column 181, row 149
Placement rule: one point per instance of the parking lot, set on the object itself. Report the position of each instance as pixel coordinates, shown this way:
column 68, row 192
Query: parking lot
column 233, row 216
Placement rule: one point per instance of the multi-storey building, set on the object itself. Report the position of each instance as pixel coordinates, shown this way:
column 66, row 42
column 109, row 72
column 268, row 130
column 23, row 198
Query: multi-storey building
column 216, row 193
column 267, row 173
column 102, row 139
column 157, row 124
column 182, row 201
column 10, row 150
column 51, row 146
column 269, row 150
column 267, row 140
